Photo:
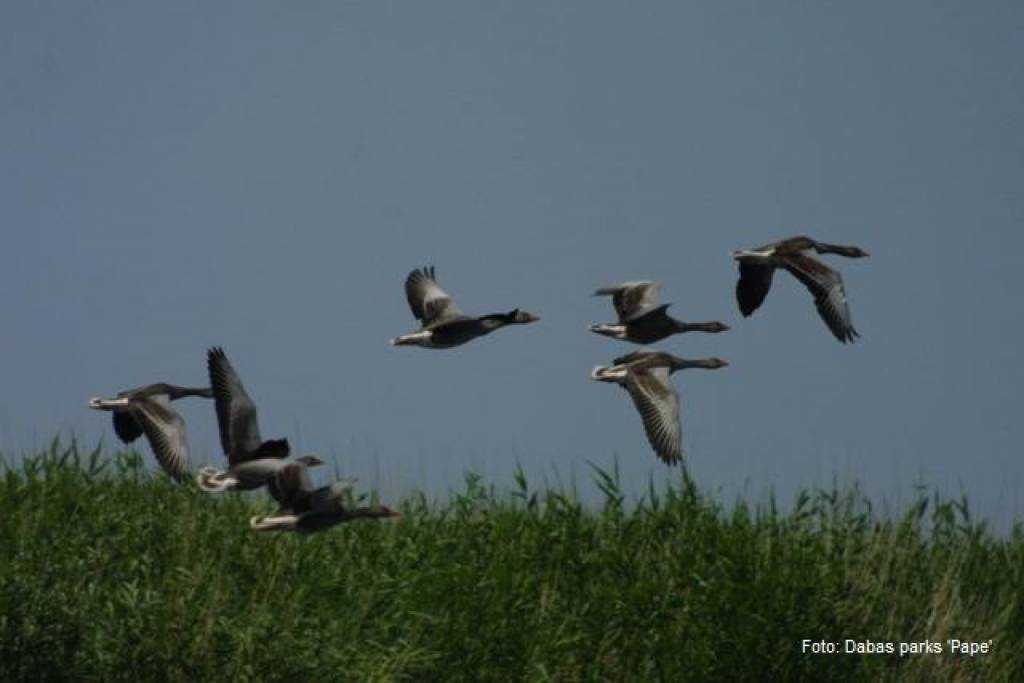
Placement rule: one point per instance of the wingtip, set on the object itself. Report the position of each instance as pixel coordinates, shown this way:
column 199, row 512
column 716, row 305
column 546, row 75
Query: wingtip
column 671, row 459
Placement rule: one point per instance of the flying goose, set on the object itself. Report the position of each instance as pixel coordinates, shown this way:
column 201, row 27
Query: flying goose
column 442, row 324
column 641, row 319
column 305, row 509
column 794, row 255
column 147, row 410
column 252, row 462
column 645, row 375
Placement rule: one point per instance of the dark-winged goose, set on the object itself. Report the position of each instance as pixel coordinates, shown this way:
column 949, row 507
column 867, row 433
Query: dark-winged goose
column 645, row 375
column 794, row 255
column 147, row 410
column 641, row 319
column 252, row 462
column 305, row 509
column 442, row 324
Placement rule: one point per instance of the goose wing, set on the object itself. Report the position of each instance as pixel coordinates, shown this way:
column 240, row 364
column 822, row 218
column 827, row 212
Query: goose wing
column 428, row 302
column 753, row 285
column 165, row 431
column 826, row 285
column 236, row 413
column 331, row 497
column 126, row 426
column 658, row 404
column 290, row 486
column 632, row 299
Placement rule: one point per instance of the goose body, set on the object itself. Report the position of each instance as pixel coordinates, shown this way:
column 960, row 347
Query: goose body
column 305, row 509
column 794, row 255
column 252, row 462
column 443, row 325
column 641, row 319
column 147, row 410
column 645, row 375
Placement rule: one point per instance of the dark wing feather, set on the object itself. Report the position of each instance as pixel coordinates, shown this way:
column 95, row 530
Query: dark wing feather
column 753, row 285
column 126, row 426
column 290, row 486
column 236, row 413
column 428, row 302
column 272, row 448
column 658, row 404
column 165, row 431
column 826, row 285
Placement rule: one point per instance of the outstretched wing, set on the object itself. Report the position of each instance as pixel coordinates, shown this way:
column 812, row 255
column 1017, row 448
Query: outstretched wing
column 290, row 486
column 428, row 302
column 753, row 285
column 126, row 426
column 632, row 299
column 658, row 404
column 826, row 285
column 165, row 431
column 236, row 413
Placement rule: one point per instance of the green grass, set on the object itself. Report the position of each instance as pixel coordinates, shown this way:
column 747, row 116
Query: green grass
column 109, row 573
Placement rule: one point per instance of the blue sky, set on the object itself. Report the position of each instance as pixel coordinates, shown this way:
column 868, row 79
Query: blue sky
column 263, row 176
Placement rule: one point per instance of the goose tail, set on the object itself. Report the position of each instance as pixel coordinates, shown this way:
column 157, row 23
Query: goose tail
column 212, row 480
column 278, row 523
column 412, row 339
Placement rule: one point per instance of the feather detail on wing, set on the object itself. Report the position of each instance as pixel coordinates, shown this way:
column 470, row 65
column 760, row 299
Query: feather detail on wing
column 165, row 431
column 236, row 413
column 429, row 303
column 658, row 404
column 826, row 285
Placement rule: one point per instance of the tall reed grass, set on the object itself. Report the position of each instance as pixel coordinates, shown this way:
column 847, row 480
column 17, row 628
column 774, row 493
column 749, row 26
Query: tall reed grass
column 110, row 573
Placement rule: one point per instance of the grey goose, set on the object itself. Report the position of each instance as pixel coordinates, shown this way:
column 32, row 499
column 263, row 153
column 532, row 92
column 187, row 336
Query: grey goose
column 443, row 325
column 147, row 410
column 645, row 376
column 305, row 509
column 795, row 256
column 252, row 462
column 642, row 320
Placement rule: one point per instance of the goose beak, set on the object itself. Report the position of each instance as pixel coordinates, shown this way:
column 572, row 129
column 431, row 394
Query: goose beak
column 94, row 402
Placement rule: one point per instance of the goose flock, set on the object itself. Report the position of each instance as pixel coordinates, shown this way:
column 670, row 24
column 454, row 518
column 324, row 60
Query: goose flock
column 645, row 374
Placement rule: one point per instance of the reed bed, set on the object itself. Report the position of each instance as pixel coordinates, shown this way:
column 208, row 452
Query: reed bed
column 109, row 572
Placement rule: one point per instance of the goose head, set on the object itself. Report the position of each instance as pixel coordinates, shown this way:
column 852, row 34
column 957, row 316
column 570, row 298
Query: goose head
column 519, row 317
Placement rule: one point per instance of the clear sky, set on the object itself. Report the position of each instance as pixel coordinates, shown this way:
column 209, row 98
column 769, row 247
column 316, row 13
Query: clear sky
column 262, row 176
